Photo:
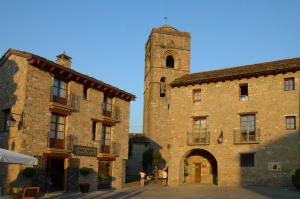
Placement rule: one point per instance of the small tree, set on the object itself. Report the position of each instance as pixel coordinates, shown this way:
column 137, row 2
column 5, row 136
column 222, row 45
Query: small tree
column 296, row 178
column 157, row 159
column 147, row 159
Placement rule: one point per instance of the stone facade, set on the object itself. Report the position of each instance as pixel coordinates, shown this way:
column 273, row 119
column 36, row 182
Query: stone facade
column 138, row 144
column 170, row 120
column 27, row 89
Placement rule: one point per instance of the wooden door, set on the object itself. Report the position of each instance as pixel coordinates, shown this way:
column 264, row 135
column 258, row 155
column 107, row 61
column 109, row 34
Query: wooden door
column 197, row 172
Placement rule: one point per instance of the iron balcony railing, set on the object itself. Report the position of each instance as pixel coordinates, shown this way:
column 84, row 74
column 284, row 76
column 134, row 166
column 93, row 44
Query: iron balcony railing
column 111, row 111
column 198, row 138
column 246, row 137
column 59, row 95
column 113, row 149
column 55, row 142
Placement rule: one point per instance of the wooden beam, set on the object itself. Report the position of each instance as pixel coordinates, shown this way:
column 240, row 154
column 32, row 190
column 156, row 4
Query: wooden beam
column 52, row 68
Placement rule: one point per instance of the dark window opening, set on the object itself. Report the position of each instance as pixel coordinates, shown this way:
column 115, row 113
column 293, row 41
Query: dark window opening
column 244, row 92
column 57, row 131
column 170, row 61
column 162, row 87
column 85, row 92
column 289, row 84
column 107, row 106
column 94, row 130
column 290, row 122
column 105, row 139
column 247, row 160
column 5, row 120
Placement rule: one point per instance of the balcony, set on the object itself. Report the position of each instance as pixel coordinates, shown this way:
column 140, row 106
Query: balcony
column 60, row 102
column 111, row 150
column 201, row 138
column 59, row 95
column 110, row 114
column 56, row 143
column 246, row 137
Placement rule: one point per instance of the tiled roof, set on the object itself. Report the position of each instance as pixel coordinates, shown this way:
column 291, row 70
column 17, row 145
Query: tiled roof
column 247, row 71
column 68, row 73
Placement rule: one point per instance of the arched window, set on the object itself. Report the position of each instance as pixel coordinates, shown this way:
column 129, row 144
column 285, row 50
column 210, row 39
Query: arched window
column 162, row 87
column 170, row 61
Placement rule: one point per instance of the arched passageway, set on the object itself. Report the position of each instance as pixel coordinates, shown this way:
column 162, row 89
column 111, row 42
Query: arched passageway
column 199, row 166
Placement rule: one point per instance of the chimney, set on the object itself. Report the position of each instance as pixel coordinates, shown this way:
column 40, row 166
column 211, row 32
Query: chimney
column 64, row 60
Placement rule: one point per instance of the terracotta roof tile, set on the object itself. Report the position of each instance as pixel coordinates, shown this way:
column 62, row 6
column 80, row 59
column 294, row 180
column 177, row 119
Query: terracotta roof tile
column 254, row 70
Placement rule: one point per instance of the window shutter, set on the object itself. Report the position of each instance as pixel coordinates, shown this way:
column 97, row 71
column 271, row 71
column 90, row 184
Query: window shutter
column 75, row 102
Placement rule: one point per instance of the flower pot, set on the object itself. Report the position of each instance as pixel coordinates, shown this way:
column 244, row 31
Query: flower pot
column 84, row 187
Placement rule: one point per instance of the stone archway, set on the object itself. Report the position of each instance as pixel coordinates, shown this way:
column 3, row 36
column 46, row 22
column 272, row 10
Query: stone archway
column 199, row 166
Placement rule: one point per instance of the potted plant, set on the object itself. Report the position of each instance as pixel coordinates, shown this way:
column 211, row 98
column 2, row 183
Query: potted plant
column 84, row 187
column 296, row 178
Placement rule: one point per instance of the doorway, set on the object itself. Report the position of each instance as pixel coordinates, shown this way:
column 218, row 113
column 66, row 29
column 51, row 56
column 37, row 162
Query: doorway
column 197, row 172
column 105, row 174
column 56, row 173
column 199, row 166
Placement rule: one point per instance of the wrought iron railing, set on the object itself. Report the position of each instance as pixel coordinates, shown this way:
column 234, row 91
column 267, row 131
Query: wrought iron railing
column 59, row 95
column 198, row 138
column 246, row 137
column 113, row 149
column 56, row 143
column 111, row 111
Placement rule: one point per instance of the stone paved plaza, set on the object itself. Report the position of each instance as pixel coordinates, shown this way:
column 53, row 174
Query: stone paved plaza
column 201, row 191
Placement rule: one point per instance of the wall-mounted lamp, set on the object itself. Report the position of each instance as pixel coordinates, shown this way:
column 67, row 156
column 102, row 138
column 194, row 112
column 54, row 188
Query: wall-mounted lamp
column 11, row 122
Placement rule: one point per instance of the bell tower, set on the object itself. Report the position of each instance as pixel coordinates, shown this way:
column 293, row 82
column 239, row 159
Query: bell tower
column 167, row 57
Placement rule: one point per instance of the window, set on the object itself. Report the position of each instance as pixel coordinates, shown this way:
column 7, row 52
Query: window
column 170, row 61
column 290, row 122
column 105, row 137
column 247, row 160
column 59, row 91
column 57, row 131
column 59, row 88
column 107, row 106
column 94, row 126
column 85, row 92
column 162, row 87
column 6, row 117
column 289, row 84
column 200, row 128
column 197, row 96
column 243, row 92
column 248, row 128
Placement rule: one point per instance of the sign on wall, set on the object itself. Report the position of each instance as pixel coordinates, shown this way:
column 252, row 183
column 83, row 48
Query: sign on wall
column 85, row 150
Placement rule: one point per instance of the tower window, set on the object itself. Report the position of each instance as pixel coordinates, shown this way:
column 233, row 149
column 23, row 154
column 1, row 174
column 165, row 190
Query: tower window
column 170, row 61
column 162, row 87
column 243, row 92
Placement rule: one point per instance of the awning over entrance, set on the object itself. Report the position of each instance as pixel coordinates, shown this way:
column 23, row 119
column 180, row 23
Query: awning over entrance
column 12, row 157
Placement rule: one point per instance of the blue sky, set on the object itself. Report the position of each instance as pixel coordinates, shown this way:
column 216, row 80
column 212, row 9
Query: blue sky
column 106, row 38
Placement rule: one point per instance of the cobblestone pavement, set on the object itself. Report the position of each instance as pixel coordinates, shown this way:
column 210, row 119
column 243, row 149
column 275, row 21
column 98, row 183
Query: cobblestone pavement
column 190, row 191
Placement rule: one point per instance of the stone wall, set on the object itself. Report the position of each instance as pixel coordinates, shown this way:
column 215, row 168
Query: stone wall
column 162, row 42
column 221, row 105
column 30, row 90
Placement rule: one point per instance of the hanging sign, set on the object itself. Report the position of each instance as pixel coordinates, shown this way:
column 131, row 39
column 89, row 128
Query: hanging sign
column 85, row 150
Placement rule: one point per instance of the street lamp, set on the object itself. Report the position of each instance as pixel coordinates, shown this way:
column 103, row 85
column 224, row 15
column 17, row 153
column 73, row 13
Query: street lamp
column 11, row 122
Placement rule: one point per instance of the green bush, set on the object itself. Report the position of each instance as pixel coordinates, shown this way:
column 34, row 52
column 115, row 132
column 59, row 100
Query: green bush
column 296, row 178
column 85, row 171
column 297, row 173
column 29, row 172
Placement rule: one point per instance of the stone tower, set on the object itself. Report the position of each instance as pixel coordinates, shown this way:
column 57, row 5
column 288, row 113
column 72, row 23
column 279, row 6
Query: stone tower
column 167, row 57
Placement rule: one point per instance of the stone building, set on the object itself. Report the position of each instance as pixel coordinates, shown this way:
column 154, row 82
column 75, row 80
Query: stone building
column 66, row 119
column 233, row 126
column 138, row 144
